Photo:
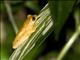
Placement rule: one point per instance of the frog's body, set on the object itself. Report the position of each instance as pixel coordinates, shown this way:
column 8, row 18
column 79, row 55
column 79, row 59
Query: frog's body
column 27, row 29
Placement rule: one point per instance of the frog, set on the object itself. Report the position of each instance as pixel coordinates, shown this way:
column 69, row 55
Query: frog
column 25, row 32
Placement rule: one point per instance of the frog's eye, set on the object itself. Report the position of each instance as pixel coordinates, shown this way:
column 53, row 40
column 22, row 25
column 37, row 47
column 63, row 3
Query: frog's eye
column 33, row 18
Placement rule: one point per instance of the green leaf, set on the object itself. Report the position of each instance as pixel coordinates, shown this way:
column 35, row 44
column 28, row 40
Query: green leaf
column 60, row 11
column 44, row 25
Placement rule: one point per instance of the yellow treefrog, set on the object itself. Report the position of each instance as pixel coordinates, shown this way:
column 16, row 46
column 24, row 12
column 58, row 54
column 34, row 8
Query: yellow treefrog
column 25, row 32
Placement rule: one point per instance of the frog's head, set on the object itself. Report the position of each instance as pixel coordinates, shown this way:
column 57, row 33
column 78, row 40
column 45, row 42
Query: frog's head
column 32, row 17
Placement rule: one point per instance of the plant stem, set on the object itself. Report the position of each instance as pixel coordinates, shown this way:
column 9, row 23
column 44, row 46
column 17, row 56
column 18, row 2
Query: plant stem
column 11, row 16
column 69, row 44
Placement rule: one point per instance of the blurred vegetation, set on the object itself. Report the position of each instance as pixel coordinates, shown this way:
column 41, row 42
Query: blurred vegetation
column 66, row 18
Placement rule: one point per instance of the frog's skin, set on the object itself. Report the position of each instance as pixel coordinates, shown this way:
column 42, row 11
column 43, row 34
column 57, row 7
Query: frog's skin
column 25, row 32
